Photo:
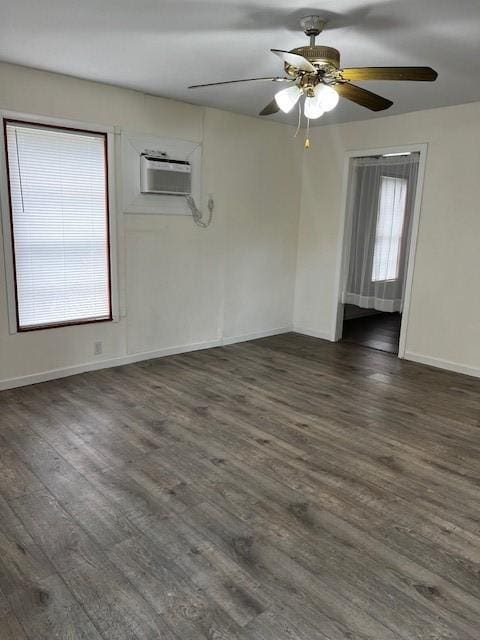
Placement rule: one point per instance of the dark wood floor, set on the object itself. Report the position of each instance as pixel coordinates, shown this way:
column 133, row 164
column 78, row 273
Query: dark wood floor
column 380, row 331
column 286, row 488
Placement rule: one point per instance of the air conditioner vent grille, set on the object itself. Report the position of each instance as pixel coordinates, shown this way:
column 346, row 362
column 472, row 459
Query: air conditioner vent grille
column 165, row 176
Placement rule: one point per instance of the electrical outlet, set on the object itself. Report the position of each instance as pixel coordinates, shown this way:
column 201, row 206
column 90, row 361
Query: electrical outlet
column 97, row 348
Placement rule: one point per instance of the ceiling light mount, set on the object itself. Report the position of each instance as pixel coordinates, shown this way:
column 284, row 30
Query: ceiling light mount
column 313, row 26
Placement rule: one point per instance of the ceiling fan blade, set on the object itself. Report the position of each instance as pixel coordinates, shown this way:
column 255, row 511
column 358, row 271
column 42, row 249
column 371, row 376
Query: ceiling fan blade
column 419, row 74
column 215, row 84
column 272, row 107
column 362, row 97
column 294, row 60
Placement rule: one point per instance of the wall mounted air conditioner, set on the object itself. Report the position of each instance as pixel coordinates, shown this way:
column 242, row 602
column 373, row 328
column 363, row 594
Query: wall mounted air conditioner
column 162, row 175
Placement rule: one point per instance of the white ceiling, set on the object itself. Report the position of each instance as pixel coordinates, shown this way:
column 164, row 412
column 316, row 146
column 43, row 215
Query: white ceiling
column 162, row 46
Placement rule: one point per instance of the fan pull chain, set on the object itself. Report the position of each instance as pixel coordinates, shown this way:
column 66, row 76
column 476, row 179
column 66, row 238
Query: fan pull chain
column 307, row 139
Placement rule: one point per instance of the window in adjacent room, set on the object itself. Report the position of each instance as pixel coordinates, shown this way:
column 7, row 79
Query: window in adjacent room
column 389, row 230
column 59, row 214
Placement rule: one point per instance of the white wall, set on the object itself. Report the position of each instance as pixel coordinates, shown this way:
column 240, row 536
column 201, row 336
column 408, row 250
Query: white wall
column 181, row 286
column 444, row 322
column 184, row 287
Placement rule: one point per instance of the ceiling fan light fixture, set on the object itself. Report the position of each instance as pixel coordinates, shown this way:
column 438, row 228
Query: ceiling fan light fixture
column 326, row 97
column 312, row 108
column 286, row 99
column 315, row 71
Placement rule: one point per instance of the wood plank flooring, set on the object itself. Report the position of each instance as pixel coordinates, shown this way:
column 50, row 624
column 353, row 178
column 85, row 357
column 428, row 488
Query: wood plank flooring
column 282, row 489
column 380, row 331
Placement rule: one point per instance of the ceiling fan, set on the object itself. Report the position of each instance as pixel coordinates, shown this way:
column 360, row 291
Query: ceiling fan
column 314, row 72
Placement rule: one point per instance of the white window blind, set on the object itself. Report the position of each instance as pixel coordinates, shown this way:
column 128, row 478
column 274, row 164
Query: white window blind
column 388, row 235
column 59, row 211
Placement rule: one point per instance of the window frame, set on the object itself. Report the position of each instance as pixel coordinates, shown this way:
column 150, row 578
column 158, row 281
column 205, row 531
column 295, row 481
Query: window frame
column 107, row 132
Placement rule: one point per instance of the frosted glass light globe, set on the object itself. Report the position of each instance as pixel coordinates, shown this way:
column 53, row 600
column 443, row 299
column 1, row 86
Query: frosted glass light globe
column 288, row 98
column 312, row 108
column 327, row 97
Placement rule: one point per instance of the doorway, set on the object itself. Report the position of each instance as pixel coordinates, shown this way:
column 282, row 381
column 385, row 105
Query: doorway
column 382, row 196
column 375, row 329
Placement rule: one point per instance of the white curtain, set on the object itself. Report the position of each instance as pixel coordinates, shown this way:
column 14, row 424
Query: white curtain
column 381, row 196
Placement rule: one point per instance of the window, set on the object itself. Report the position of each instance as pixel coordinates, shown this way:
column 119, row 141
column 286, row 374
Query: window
column 58, row 189
column 388, row 235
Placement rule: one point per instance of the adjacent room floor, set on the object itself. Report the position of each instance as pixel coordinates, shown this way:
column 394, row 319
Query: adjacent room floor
column 287, row 488
column 379, row 331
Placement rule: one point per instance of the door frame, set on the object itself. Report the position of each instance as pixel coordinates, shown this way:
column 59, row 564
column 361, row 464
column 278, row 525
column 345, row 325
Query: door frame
column 343, row 251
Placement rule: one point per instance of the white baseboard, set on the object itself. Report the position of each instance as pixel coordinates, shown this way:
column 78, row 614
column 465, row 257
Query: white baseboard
column 409, row 355
column 255, row 336
column 323, row 335
column 95, row 365
column 53, row 374
column 443, row 364
column 64, row 372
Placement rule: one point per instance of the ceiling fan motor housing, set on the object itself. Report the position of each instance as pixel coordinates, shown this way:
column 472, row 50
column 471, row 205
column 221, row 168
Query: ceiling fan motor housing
column 321, row 56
